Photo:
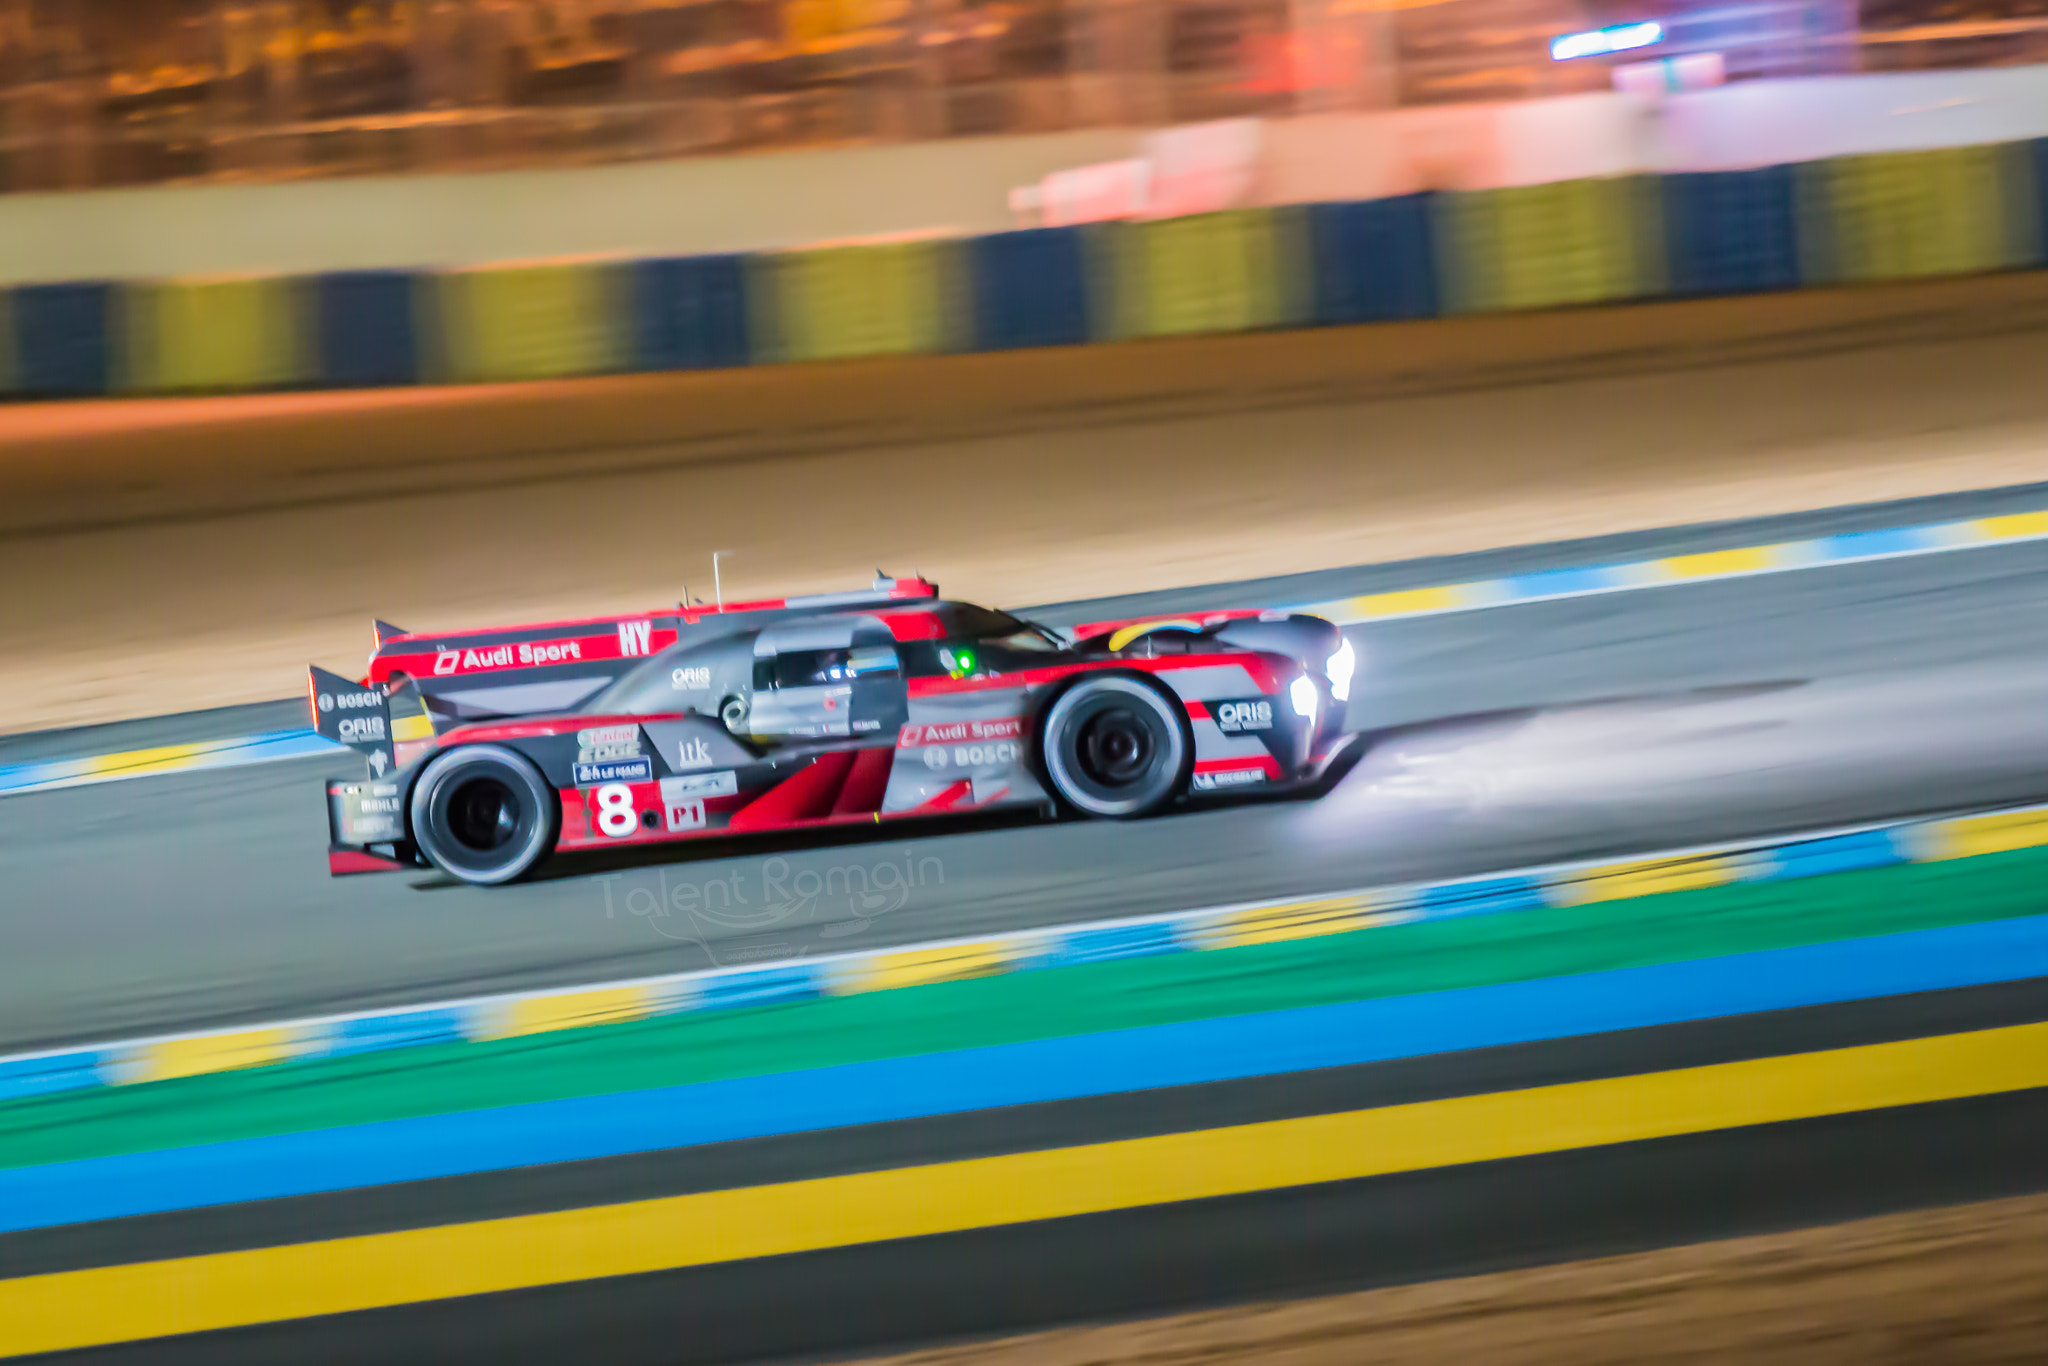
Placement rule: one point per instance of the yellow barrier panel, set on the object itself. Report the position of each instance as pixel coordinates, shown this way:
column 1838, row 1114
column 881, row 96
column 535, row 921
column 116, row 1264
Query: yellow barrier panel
column 1211, row 272
column 1648, row 877
column 533, row 321
column 878, row 299
column 182, row 335
column 1294, row 920
column 1898, row 215
column 1998, row 833
column 215, row 1053
column 917, row 967
column 572, row 1010
column 1543, row 246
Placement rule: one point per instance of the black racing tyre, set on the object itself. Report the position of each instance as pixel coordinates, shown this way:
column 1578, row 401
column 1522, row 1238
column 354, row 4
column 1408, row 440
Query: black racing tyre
column 483, row 814
column 1115, row 746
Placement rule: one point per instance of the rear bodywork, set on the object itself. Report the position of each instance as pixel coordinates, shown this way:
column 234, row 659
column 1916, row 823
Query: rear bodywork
column 854, row 713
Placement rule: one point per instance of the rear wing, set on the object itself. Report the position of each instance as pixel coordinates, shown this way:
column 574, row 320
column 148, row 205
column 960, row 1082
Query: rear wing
column 557, row 666
column 353, row 714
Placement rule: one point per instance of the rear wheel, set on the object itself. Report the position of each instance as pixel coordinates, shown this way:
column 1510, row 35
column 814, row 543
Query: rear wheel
column 483, row 814
column 1115, row 746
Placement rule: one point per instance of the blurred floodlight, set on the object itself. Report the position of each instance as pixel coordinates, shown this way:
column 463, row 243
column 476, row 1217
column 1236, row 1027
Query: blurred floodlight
column 1614, row 38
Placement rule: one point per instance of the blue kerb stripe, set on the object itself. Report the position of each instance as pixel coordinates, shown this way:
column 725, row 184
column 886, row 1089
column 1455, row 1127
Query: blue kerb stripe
column 377, row 1032
column 1854, row 545
column 1482, row 897
column 1552, row 583
column 764, row 987
column 1838, row 854
column 43, row 1076
column 1023, row 1073
column 1112, row 942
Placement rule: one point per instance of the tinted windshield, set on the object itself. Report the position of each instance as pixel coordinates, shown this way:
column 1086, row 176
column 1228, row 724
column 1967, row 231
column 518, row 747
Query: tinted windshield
column 1000, row 628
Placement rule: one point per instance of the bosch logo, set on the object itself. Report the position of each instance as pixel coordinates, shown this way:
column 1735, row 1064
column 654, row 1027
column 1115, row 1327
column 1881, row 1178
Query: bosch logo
column 1242, row 716
column 351, row 701
column 326, row 702
column 935, row 758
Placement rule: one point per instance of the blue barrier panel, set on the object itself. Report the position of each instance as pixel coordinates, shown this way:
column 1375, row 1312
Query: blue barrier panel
column 689, row 312
column 1375, row 259
column 61, row 338
column 364, row 326
column 1731, row 232
column 1029, row 289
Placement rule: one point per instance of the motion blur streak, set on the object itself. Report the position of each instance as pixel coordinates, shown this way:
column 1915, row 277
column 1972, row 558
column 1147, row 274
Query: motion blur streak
column 196, row 1294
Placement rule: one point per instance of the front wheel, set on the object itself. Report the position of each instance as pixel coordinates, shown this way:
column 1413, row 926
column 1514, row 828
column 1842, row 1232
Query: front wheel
column 1115, row 746
column 483, row 814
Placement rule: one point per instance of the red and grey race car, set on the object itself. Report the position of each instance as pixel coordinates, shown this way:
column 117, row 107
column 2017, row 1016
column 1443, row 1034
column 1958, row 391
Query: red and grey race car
column 490, row 750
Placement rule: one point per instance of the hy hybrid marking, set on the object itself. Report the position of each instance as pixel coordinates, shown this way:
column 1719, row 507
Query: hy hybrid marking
column 1856, row 547
column 548, row 1010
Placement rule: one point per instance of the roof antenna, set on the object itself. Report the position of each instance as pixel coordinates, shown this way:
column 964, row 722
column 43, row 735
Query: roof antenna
column 718, row 584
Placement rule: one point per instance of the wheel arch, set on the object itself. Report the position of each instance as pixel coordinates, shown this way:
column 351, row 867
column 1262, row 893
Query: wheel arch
column 1051, row 696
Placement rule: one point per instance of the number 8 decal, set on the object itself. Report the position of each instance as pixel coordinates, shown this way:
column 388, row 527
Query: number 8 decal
column 615, row 814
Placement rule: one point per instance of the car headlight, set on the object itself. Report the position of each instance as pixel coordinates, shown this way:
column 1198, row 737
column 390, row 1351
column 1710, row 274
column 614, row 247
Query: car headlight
column 1339, row 668
column 1303, row 695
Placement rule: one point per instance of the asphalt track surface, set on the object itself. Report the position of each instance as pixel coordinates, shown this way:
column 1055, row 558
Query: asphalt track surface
column 1589, row 728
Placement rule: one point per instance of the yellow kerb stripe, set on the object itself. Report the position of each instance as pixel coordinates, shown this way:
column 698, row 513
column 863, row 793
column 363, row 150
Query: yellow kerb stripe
column 215, row 1053
column 2014, row 524
column 1714, row 563
column 1646, row 878
column 915, row 967
column 195, row 1294
column 1408, row 600
column 573, row 1010
column 1994, row 834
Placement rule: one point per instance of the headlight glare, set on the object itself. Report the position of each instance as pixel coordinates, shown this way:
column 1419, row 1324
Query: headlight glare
column 1339, row 668
column 1303, row 695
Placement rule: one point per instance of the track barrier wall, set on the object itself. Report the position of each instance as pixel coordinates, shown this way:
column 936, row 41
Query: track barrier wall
column 1847, row 220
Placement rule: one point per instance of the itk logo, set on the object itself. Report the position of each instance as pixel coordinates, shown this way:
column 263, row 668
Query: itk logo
column 693, row 753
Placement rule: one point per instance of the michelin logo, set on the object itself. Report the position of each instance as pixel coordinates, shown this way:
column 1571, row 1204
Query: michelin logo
column 1236, row 777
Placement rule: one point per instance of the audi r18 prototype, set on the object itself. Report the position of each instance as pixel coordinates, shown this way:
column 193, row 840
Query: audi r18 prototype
column 490, row 750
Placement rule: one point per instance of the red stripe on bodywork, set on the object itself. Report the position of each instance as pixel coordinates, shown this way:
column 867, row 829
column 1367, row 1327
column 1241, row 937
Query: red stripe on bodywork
column 1261, row 762
column 801, row 796
column 1197, row 711
column 948, row 799
column 341, row 862
column 867, row 784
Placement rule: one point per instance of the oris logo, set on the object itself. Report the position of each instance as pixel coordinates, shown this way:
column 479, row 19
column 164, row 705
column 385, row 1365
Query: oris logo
column 1236, row 717
column 352, row 730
